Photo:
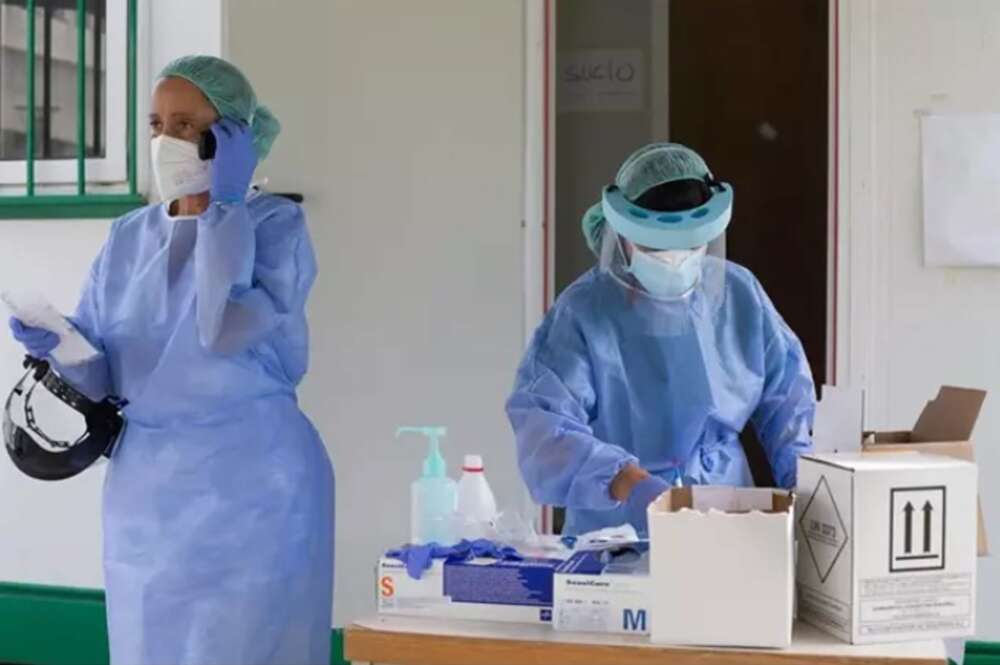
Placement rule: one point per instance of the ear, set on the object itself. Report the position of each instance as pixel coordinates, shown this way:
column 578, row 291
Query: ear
column 627, row 248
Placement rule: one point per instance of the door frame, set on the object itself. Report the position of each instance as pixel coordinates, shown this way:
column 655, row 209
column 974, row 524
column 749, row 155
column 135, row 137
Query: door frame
column 539, row 167
column 539, row 180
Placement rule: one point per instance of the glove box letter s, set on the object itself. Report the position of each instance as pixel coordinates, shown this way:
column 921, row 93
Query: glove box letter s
column 387, row 587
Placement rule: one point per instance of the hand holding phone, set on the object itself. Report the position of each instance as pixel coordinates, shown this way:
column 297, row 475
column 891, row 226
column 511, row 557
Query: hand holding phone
column 234, row 158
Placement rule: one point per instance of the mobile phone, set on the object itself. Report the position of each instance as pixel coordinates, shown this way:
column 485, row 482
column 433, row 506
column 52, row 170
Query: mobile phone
column 206, row 146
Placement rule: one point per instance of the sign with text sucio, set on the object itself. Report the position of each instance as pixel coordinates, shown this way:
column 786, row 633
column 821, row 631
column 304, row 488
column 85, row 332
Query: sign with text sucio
column 600, row 80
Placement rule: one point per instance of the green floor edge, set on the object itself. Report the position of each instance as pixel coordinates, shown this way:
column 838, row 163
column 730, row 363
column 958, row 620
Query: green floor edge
column 46, row 625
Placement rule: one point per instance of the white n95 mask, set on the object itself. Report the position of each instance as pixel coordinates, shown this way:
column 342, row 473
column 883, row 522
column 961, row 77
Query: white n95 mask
column 177, row 169
column 669, row 273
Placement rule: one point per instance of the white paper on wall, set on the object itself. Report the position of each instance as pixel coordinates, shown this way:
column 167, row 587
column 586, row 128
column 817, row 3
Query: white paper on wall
column 961, row 190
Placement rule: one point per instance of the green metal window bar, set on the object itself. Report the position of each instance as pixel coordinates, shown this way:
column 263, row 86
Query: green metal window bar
column 82, row 204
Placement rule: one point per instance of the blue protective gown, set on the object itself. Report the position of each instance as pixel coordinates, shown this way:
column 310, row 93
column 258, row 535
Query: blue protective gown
column 218, row 500
column 612, row 377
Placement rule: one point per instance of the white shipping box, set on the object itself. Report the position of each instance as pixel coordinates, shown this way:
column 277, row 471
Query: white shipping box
column 594, row 595
column 887, row 546
column 944, row 427
column 722, row 567
column 478, row 590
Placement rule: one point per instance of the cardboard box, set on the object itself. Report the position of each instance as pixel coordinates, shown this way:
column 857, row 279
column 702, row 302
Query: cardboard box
column 944, row 428
column 594, row 595
column 887, row 546
column 479, row 590
column 722, row 567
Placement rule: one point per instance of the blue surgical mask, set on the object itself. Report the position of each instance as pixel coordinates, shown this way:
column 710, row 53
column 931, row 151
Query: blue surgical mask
column 667, row 274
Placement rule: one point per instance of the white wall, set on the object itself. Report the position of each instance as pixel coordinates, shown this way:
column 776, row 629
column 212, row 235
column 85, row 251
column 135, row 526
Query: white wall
column 184, row 27
column 908, row 328
column 51, row 530
column 403, row 128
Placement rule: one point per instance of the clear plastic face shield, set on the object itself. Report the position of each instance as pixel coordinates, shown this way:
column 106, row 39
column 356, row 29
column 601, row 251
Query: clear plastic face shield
column 661, row 314
column 668, row 248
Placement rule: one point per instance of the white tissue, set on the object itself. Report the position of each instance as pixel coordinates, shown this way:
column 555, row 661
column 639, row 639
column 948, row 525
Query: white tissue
column 607, row 537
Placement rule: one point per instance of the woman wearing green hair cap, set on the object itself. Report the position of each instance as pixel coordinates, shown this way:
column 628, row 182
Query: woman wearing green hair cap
column 647, row 368
column 218, row 501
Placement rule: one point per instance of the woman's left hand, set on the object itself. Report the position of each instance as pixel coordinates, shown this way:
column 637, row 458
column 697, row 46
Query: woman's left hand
column 38, row 342
column 234, row 163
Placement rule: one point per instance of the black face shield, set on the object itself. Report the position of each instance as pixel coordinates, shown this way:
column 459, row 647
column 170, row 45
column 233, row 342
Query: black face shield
column 46, row 458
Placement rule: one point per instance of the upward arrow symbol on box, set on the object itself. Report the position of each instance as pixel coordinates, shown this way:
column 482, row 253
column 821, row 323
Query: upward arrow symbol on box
column 928, row 509
column 908, row 528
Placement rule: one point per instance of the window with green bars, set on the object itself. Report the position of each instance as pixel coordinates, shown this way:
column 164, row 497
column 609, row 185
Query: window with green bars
column 67, row 108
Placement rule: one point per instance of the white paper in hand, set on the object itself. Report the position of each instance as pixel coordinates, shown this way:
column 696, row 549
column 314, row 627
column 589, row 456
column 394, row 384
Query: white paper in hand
column 34, row 310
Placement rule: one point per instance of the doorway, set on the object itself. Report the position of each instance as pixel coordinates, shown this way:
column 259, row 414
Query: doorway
column 743, row 82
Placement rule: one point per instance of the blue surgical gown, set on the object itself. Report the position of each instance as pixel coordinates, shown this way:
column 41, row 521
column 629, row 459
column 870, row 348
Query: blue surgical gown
column 613, row 377
column 218, row 499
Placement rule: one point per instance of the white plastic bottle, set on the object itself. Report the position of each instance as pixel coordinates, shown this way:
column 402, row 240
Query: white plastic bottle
column 477, row 507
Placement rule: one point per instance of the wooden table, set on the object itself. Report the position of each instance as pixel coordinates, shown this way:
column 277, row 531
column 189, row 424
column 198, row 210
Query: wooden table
column 393, row 640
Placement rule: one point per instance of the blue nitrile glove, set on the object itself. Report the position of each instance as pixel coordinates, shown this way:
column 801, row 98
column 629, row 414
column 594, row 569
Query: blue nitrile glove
column 37, row 341
column 494, row 550
column 483, row 549
column 643, row 494
column 419, row 558
column 234, row 162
